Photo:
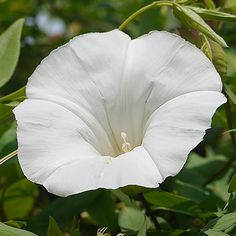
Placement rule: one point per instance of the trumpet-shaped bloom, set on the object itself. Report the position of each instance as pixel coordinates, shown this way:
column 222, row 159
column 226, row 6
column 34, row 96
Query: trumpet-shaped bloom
column 105, row 111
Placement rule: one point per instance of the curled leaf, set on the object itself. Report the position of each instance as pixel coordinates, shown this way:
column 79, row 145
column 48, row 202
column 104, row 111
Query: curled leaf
column 214, row 15
column 192, row 20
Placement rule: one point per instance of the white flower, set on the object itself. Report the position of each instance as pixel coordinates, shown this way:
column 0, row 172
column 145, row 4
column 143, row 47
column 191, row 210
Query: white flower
column 105, row 111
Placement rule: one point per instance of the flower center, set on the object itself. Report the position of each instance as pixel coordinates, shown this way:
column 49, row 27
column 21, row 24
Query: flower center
column 126, row 147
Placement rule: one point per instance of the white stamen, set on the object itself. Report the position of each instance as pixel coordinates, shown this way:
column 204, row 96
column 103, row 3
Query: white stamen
column 102, row 231
column 126, row 147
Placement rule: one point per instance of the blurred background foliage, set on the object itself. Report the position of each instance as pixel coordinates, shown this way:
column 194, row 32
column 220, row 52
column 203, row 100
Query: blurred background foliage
column 198, row 201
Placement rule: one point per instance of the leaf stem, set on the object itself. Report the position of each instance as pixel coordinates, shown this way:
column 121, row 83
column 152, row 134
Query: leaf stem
column 143, row 9
column 8, row 157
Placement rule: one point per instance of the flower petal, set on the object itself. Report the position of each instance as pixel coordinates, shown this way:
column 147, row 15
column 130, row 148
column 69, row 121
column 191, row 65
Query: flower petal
column 89, row 91
column 132, row 168
column 120, row 82
column 83, row 76
column 57, row 149
column 177, row 127
column 159, row 67
column 49, row 136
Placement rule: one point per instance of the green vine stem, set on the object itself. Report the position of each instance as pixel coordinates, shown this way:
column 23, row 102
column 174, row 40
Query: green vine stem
column 8, row 157
column 143, row 9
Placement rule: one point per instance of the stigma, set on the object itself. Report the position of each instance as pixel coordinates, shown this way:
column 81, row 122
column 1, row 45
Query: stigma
column 126, row 147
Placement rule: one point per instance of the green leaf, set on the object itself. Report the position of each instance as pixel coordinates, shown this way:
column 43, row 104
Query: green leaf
column 5, row 114
column 143, row 230
column 220, row 224
column 224, row 222
column 124, row 197
column 11, row 231
column 214, row 14
column 10, row 173
column 175, row 203
column 16, row 223
column 53, row 229
column 15, row 97
column 9, row 50
column 211, row 232
column 191, row 191
column 63, row 211
column 199, row 169
column 19, row 199
column 8, row 136
column 131, row 218
column 133, row 190
column 191, row 19
column 103, row 211
column 232, row 185
column 13, row 103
